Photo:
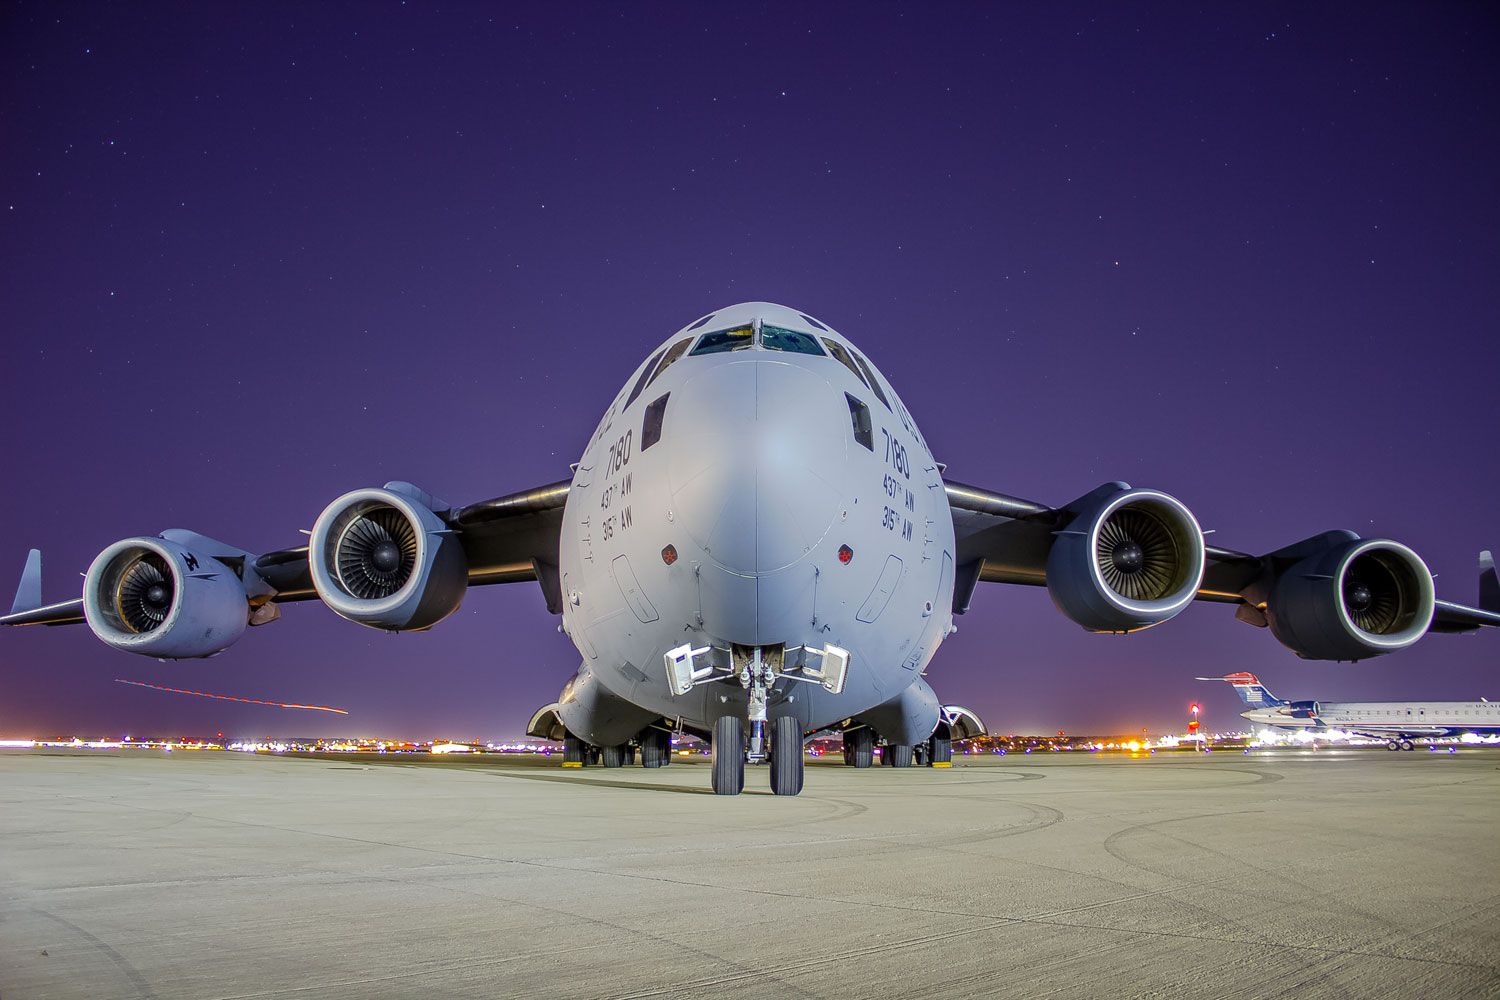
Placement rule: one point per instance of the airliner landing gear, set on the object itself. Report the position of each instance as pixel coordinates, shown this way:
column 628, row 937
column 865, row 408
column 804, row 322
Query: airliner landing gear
column 787, row 763
column 1392, row 745
column 860, row 746
column 656, row 748
column 1408, row 745
column 729, row 755
column 612, row 756
column 575, row 752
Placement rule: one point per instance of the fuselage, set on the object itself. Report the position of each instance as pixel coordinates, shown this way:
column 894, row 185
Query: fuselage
column 756, row 484
column 1430, row 718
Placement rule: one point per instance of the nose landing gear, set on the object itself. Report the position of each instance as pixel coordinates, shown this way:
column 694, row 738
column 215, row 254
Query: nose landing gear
column 728, row 755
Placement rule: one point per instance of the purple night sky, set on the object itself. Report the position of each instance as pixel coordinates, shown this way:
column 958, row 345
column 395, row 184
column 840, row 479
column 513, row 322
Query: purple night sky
column 257, row 256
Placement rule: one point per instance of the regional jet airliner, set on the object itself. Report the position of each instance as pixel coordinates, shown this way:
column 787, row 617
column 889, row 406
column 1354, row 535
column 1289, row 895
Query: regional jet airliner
column 755, row 544
column 1395, row 722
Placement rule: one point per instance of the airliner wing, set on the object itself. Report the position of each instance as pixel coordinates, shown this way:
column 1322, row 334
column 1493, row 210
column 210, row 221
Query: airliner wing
column 1008, row 539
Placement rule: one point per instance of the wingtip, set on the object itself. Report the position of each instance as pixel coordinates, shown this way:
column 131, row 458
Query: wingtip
column 1489, row 583
column 29, row 592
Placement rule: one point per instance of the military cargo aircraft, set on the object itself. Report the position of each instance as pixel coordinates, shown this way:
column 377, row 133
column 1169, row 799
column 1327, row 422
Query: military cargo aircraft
column 755, row 544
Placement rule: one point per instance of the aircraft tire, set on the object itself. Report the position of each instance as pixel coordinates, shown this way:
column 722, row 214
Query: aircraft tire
column 612, row 756
column 939, row 751
column 629, row 750
column 1408, row 745
column 899, row 755
column 1392, row 745
column 861, row 744
column 573, row 751
column 656, row 748
column 729, row 755
column 787, row 763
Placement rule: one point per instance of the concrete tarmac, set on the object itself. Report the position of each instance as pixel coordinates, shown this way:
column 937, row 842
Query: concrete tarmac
column 1277, row 873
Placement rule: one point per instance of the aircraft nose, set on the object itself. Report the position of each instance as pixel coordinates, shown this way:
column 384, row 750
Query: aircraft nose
column 754, row 478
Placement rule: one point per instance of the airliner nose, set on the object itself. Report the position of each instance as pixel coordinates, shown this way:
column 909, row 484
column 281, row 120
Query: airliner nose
column 763, row 444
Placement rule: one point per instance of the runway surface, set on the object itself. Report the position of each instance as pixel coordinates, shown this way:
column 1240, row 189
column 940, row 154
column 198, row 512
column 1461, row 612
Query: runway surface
column 1278, row 873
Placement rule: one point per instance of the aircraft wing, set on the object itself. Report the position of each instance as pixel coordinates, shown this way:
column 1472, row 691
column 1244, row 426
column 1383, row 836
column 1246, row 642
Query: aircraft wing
column 1008, row 539
column 507, row 539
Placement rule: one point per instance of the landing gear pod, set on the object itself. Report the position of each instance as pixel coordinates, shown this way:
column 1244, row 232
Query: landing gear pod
column 382, row 559
column 1129, row 559
column 1355, row 599
column 158, row 598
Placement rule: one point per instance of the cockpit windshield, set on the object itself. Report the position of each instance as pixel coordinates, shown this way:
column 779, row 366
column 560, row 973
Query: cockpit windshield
column 737, row 339
column 776, row 338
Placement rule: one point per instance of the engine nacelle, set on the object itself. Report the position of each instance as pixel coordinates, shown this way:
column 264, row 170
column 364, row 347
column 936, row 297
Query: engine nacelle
column 1129, row 559
column 1356, row 599
column 1303, row 710
column 383, row 559
column 158, row 598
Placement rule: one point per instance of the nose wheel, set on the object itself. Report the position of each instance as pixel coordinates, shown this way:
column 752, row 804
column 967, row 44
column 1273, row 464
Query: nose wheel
column 787, row 762
column 728, row 755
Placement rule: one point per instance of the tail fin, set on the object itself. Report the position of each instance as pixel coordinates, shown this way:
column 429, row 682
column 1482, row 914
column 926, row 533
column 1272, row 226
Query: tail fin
column 1251, row 691
column 1489, row 583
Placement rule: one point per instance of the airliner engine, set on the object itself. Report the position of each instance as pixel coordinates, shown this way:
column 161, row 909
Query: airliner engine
column 1129, row 559
column 158, row 598
column 1355, row 599
column 384, row 559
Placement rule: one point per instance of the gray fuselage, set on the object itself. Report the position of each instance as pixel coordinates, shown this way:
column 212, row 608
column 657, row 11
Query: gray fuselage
column 712, row 507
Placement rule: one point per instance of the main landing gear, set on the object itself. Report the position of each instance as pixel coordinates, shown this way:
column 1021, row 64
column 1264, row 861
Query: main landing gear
column 1400, row 744
column 654, row 746
column 859, row 751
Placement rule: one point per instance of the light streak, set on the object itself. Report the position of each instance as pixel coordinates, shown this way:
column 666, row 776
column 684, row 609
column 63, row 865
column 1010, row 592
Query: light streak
column 230, row 697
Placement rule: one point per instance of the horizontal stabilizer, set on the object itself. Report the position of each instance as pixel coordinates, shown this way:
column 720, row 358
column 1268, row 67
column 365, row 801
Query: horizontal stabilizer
column 29, row 593
column 1251, row 691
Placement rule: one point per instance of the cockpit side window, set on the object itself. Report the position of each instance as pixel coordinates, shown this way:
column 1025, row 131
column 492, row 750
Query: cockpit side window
column 674, row 352
column 640, row 383
column 776, row 338
column 737, row 339
column 841, row 352
column 864, row 366
column 859, row 416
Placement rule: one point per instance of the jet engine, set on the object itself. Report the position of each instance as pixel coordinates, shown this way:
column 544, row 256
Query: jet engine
column 1303, row 710
column 158, row 598
column 1129, row 559
column 1354, row 599
column 384, row 559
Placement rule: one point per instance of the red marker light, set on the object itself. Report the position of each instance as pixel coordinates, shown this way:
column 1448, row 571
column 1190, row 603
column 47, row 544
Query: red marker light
column 669, row 554
column 845, row 554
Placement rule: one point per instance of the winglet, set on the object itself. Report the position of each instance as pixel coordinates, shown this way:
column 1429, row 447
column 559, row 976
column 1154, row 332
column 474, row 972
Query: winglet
column 1489, row 583
column 29, row 593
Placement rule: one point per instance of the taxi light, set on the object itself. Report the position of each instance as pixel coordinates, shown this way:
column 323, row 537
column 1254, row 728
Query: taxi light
column 845, row 554
column 669, row 554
